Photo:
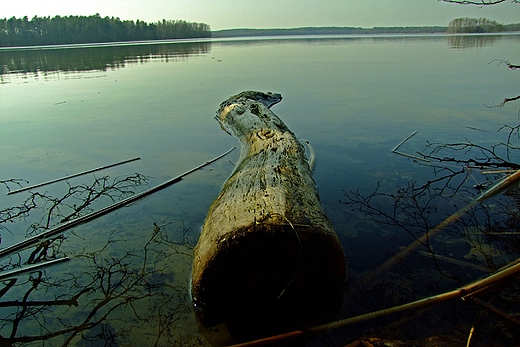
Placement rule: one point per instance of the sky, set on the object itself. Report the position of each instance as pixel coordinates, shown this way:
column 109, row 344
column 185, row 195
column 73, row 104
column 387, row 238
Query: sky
column 229, row 14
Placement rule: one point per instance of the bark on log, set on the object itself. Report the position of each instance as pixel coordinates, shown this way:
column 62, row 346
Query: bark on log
column 266, row 243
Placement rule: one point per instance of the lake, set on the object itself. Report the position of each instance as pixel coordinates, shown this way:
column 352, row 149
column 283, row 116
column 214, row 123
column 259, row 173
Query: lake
column 65, row 110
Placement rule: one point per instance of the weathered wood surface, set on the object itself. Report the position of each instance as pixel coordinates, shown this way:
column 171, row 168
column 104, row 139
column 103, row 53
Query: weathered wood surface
column 266, row 242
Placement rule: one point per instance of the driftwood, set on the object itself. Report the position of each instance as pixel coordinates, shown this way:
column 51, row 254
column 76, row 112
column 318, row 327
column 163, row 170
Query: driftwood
column 266, row 244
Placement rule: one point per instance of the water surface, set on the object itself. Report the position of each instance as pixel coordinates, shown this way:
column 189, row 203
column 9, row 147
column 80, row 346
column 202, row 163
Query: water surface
column 66, row 110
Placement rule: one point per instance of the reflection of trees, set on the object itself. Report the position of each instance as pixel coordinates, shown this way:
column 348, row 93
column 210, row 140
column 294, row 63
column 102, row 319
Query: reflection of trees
column 113, row 291
column 512, row 67
column 472, row 41
column 77, row 201
column 107, row 302
column 479, row 41
column 460, row 223
column 100, row 58
column 483, row 239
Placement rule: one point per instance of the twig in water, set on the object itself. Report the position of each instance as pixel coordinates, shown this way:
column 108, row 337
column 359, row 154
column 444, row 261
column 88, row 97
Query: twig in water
column 461, row 292
column 405, row 154
column 498, row 188
column 412, row 156
column 501, row 186
column 400, row 143
column 74, row 175
column 493, row 172
column 16, row 272
column 471, row 331
column 454, row 261
column 495, row 310
column 14, row 181
column 93, row 215
column 507, row 62
column 473, row 128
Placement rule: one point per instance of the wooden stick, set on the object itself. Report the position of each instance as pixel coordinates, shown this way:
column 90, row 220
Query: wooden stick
column 430, row 301
column 421, row 240
column 411, row 156
column 501, row 186
column 498, row 188
column 454, row 261
column 6, row 274
column 493, row 172
column 64, row 226
column 471, row 331
column 400, row 143
column 74, row 175
column 495, row 310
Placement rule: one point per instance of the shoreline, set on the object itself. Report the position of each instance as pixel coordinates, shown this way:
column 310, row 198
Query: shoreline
column 248, row 38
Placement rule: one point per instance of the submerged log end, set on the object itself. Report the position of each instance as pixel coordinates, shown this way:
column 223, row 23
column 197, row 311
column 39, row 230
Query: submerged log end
column 273, row 273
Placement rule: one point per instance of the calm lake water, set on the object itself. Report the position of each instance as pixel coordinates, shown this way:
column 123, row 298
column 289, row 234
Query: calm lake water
column 68, row 110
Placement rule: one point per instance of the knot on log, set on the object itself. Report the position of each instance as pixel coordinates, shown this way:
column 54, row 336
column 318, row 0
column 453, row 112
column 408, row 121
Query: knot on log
column 266, row 244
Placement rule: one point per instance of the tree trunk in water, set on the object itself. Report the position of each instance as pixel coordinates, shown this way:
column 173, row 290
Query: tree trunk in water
column 266, row 244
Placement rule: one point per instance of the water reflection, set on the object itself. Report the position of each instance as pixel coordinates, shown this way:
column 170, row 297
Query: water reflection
column 123, row 285
column 103, row 57
column 453, row 41
column 458, row 248
column 126, row 281
column 94, row 57
column 472, row 41
column 353, row 139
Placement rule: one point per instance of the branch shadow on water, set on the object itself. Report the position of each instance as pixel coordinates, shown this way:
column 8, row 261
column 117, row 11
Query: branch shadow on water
column 477, row 237
column 125, row 282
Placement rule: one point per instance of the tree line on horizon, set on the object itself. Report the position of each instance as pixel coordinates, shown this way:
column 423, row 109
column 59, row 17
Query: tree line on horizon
column 92, row 29
column 460, row 25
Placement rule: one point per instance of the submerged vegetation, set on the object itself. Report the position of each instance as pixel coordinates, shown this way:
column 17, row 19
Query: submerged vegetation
column 92, row 29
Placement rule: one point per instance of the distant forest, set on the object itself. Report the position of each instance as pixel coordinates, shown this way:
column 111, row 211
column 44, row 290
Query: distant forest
column 15, row 32
column 90, row 29
column 328, row 31
column 460, row 25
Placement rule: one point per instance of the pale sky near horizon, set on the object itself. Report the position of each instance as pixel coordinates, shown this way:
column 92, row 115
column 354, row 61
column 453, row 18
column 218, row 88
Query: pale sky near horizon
column 228, row 14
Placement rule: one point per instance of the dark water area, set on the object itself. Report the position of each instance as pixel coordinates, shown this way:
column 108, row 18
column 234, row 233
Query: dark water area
column 123, row 279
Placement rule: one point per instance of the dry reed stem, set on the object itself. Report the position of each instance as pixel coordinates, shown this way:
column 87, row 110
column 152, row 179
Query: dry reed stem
column 71, row 176
column 462, row 292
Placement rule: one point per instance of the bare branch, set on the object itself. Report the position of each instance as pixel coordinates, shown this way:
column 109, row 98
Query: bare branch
column 480, row 3
column 16, row 181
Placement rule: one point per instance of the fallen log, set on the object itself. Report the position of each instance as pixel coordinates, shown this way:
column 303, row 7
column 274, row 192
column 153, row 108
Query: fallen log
column 266, row 245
